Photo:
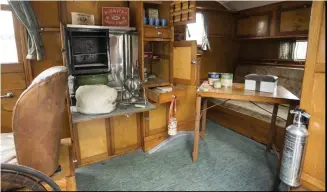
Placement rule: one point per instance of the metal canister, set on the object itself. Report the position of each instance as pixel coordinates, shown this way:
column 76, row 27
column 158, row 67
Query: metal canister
column 213, row 76
column 226, row 79
column 295, row 139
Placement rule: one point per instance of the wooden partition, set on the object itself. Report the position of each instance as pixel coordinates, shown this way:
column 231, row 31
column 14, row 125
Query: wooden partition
column 313, row 100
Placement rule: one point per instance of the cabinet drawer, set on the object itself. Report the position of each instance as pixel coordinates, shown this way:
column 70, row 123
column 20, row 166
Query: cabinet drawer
column 163, row 33
column 158, row 97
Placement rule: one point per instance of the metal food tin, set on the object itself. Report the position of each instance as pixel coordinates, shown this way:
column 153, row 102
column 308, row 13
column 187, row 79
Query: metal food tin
column 213, row 76
column 226, row 79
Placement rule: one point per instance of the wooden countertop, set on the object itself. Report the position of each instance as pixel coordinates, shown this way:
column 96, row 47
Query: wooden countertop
column 80, row 117
column 237, row 92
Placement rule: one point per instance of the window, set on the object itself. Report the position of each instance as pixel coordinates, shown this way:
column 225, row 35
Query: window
column 195, row 31
column 300, row 50
column 8, row 44
column 293, row 50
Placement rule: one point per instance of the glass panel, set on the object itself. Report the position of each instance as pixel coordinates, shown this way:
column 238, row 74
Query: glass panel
column 300, row 50
column 195, row 31
column 8, row 49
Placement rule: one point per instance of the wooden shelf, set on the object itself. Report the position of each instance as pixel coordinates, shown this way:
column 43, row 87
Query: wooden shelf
column 156, row 82
column 275, row 37
column 90, row 65
column 156, row 27
column 274, row 62
column 91, row 36
column 153, row 2
column 155, row 39
column 213, row 9
column 80, row 54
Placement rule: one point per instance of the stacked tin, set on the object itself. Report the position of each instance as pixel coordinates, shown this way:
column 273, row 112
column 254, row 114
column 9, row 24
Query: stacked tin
column 218, row 80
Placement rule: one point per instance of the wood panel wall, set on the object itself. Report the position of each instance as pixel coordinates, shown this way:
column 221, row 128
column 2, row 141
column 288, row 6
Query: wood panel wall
column 49, row 14
column 262, row 49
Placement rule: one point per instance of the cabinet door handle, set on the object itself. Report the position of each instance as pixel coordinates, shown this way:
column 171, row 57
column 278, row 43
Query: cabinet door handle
column 193, row 62
column 159, row 33
column 7, row 95
column 147, row 118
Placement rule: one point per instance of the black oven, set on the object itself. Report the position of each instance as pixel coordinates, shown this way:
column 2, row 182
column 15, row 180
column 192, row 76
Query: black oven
column 87, row 51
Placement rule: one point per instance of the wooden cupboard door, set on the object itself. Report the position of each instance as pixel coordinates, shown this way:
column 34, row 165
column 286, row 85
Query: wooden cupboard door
column 186, row 109
column 156, row 120
column 256, row 25
column 293, row 20
column 313, row 101
column 184, row 66
column 92, row 141
column 125, row 131
column 182, row 12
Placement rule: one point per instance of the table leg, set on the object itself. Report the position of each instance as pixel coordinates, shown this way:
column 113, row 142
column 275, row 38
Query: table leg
column 204, row 118
column 289, row 121
column 273, row 128
column 196, row 130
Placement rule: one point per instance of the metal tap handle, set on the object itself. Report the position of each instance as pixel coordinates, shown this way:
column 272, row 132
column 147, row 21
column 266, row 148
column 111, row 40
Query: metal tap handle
column 7, row 95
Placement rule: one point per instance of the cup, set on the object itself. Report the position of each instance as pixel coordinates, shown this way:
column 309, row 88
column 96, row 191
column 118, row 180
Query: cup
column 157, row 22
column 163, row 22
column 145, row 20
column 151, row 21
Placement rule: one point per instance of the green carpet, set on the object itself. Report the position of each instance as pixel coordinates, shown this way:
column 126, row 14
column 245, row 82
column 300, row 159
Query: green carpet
column 227, row 161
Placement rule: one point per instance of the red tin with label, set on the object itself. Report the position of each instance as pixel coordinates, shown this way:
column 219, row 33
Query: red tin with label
column 115, row 16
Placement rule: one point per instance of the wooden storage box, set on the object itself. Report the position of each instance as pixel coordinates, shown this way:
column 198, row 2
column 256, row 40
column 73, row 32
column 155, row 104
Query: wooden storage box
column 159, row 97
column 115, row 16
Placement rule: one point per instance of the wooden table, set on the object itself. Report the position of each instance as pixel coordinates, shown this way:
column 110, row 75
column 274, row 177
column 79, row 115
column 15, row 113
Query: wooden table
column 237, row 92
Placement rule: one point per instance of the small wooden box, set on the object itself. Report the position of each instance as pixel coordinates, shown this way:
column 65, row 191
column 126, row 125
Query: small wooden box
column 153, row 13
column 115, row 16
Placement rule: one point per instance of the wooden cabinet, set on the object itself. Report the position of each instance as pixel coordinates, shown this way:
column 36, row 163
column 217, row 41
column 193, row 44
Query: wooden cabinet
column 255, row 25
column 98, row 139
column 278, row 20
column 182, row 12
column 295, row 20
column 174, row 63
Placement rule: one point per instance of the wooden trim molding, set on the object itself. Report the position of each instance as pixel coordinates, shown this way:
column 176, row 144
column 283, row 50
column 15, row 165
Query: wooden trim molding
column 108, row 136
column 201, row 8
column 76, row 147
column 274, row 62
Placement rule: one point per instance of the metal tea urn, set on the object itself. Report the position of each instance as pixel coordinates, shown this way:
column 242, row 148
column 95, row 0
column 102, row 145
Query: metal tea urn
column 295, row 139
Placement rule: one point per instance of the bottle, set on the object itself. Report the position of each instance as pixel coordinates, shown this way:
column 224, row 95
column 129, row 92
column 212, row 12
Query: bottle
column 295, row 139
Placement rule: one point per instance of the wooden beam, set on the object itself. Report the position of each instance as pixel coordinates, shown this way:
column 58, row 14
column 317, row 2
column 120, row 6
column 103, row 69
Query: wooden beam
column 201, row 8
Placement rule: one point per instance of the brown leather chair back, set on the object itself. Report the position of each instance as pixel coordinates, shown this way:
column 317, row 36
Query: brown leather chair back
column 38, row 120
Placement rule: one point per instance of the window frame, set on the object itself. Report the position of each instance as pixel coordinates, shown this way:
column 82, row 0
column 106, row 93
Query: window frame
column 198, row 46
column 294, row 51
column 19, row 37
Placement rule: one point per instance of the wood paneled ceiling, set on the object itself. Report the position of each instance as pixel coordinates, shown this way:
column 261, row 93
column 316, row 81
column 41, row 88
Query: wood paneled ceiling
column 242, row 5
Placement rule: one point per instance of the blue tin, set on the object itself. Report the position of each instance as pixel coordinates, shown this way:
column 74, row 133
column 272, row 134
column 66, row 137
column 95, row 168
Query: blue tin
column 213, row 76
